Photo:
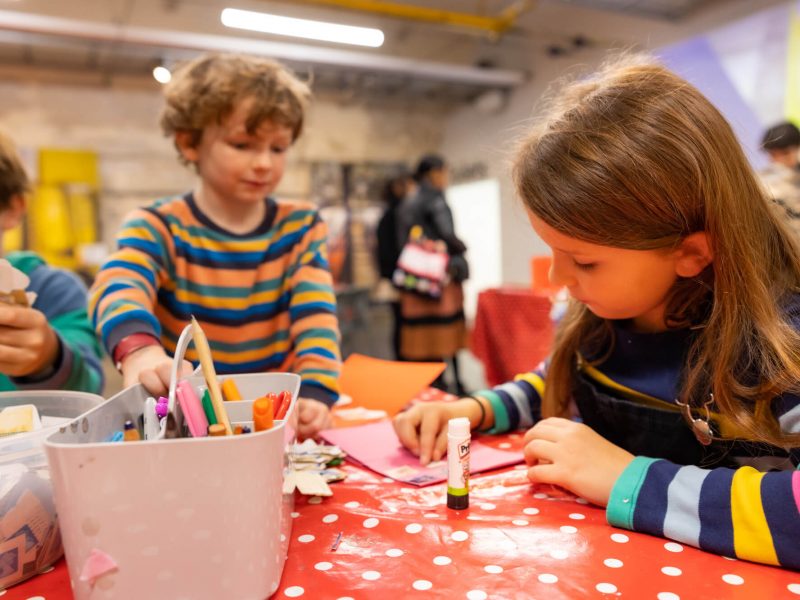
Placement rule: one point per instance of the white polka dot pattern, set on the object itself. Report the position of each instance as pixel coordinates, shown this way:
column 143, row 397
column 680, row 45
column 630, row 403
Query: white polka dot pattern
column 422, row 585
column 732, row 579
column 413, row 528
column 568, row 529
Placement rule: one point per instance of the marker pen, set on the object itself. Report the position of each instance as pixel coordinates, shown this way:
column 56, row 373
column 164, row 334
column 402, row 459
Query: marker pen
column 458, row 440
column 131, row 434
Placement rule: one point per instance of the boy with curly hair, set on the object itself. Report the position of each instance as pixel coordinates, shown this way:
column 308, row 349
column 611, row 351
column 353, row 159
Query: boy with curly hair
column 253, row 270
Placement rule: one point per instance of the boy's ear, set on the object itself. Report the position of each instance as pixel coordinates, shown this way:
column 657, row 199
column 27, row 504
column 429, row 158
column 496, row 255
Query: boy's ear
column 693, row 254
column 186, row 144
column 12, row 215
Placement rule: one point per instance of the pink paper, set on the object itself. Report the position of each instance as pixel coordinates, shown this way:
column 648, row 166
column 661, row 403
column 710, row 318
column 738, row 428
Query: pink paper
column 376, row 447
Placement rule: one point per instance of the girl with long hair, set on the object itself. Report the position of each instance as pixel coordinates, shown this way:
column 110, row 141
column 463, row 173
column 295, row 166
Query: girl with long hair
column 671, row 395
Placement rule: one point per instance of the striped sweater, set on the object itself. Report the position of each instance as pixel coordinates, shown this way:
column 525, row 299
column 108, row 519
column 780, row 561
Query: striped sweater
column 750, row 510
column 61, row 297
column 264, row 299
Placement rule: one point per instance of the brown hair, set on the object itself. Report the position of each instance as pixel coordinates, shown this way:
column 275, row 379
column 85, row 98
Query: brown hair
column 207, row 89
column 13, row 179
column 637, row 158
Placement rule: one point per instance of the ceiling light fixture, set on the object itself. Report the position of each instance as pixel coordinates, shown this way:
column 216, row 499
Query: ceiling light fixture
column 162, row 74
column 302, row 28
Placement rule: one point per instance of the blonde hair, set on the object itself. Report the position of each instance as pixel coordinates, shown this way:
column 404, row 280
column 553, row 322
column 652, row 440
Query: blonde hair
column 208, row 89
column 637, row 158
column 13, row 178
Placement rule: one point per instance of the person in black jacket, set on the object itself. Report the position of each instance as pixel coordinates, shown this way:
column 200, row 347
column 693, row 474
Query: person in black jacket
column 434, row 329
column 396, row 190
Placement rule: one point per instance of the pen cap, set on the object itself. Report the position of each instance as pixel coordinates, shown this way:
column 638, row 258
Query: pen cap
column 458, row 427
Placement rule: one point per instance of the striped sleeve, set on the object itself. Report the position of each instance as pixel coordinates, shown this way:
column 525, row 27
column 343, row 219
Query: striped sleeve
column 741, row 513
column 516, row 404
column 61, row 296
column 314, row 329
column 123, row 296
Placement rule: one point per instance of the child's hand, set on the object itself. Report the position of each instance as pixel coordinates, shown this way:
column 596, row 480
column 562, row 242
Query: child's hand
column 27, row 342
column 312, row 417
column 423, row 428
column 151, row 367
column 572, row 455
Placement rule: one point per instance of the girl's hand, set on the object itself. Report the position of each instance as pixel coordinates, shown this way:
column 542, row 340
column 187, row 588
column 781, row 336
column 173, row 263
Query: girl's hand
column 312, row 417
column 572, row 455
column 151, row 367
column 423, row 428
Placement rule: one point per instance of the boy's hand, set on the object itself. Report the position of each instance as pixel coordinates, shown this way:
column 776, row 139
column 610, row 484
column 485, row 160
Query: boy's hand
column 151, row 367
column 423, row 428
column 572, row 455
column 312, row 417
column 27, row 342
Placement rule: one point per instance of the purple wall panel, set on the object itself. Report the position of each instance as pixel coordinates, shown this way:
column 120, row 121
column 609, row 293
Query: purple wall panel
column 696, row 61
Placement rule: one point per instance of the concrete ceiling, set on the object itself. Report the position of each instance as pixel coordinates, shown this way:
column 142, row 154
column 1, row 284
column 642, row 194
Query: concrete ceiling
column 115, row 38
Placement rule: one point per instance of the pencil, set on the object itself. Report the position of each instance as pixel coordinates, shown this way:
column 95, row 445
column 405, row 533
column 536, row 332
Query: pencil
column 207, row 364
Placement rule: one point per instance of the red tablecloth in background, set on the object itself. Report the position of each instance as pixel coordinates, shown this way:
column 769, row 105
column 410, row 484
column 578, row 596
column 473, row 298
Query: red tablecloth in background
column 515, row 541
column 513, row 332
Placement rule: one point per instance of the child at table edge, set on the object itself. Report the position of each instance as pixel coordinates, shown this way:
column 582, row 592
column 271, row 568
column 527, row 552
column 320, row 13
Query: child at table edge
column 253, row 270
column 50, row 345
column 685, row 315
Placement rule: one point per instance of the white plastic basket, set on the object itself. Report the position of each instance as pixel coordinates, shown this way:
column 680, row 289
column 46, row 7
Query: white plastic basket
column 189, row 518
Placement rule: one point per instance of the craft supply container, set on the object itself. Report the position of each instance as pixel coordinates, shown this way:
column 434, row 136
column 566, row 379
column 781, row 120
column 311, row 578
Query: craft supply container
column 183, row 519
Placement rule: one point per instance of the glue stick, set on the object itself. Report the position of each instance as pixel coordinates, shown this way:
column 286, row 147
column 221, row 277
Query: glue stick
column 458, row 440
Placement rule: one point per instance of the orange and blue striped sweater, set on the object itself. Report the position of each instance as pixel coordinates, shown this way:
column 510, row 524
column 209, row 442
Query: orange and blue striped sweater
column 264, row 299
column 747, row 506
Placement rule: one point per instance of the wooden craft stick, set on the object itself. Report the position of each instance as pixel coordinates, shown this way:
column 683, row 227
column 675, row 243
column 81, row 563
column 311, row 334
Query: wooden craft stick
column 207, row 364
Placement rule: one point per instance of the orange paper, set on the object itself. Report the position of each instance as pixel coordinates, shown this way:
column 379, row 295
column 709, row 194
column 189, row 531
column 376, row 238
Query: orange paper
column 385, row 384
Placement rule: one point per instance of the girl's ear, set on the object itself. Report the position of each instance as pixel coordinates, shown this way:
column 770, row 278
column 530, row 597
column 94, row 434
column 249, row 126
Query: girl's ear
column 186, row 144
column 693, row 254
column 12, row 215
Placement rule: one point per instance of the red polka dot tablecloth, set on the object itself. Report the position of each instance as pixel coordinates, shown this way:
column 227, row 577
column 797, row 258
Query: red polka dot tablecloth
column 376, row 538
column 513, row 332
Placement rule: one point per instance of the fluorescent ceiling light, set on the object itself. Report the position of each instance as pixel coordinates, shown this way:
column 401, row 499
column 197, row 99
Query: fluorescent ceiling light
column 302, row 28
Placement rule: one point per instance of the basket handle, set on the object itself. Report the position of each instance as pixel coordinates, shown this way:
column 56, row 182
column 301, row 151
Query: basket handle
column 177, row 360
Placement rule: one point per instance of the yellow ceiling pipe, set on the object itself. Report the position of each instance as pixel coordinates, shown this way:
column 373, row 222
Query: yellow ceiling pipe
column 494, row 25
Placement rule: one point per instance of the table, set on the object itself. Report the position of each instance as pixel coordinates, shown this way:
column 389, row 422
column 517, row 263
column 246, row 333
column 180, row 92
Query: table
column 516, row 541
column 513, row 331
